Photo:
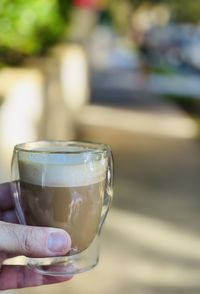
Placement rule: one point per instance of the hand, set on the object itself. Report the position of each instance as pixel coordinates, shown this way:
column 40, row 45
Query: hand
column 16, row 239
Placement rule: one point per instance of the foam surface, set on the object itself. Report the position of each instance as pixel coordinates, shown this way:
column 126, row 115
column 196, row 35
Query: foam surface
column 66, row 170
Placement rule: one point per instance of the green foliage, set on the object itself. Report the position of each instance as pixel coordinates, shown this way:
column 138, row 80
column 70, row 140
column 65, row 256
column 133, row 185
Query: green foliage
column 182, row 10
column 30, row 26
column 185, row 11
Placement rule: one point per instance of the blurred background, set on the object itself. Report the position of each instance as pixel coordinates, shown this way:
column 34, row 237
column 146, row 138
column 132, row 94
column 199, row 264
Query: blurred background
column 126, row 73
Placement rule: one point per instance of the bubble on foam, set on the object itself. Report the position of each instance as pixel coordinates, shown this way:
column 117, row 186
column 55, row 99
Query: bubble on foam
column 66, row 170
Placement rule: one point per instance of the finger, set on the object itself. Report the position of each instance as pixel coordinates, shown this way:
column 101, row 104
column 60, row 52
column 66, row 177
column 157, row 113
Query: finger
column 13, row 277
column 33, row 241
column 6, row 200
column 3, row 256
column 9, row 216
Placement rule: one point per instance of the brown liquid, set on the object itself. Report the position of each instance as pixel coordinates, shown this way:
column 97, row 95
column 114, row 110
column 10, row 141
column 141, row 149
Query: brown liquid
column 74, row 209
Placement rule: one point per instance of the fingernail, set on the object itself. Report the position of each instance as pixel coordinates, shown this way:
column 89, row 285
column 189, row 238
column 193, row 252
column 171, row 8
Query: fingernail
column 58, row 242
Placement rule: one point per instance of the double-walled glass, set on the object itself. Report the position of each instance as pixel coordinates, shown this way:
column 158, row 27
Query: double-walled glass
column 65, row 185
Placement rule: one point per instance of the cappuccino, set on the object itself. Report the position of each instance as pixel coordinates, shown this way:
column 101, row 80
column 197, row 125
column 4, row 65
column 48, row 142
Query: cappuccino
column 64, row 191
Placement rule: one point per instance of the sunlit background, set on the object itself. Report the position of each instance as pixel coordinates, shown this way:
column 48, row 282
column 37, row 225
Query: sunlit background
column 125, row 73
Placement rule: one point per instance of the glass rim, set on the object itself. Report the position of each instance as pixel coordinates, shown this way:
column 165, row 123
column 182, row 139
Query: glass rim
column 87, row 147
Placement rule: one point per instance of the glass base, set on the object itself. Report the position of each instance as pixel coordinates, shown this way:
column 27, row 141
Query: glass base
column 63, row 265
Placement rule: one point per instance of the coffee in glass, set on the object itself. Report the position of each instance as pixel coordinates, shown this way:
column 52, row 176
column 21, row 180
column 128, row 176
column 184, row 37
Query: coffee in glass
column 65, row 185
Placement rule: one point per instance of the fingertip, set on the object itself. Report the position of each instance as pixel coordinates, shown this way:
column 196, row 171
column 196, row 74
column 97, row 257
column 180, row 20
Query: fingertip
column 59, row 242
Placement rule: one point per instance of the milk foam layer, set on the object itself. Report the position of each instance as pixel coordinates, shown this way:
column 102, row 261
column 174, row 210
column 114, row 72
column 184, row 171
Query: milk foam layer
column 61, row 170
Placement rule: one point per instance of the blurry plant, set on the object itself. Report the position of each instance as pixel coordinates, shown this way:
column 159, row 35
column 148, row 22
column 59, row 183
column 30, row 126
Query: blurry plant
column 29, row 27
column 182, row 11
column 122, row 11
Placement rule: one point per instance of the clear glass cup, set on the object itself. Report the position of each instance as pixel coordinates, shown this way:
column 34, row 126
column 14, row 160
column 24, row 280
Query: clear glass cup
column 66, row 185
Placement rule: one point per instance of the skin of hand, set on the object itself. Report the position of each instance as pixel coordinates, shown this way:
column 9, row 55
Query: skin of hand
column 17, row 239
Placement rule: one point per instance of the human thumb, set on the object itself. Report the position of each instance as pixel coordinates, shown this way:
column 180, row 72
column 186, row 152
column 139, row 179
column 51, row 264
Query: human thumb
column 33, row 241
